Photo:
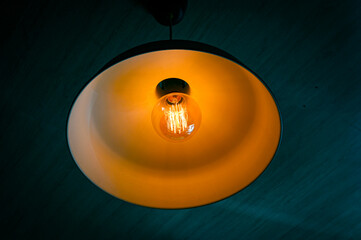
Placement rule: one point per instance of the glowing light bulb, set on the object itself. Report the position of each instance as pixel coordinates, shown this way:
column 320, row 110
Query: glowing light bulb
column 176, row 117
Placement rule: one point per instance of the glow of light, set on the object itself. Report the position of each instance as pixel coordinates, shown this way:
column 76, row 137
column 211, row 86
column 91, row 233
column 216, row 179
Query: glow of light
column 177, row 119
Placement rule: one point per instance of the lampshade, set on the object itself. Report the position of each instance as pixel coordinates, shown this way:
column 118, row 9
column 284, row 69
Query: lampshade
column 114, row 143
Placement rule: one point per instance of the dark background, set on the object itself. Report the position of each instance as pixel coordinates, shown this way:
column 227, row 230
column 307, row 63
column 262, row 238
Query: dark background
column 308, row 52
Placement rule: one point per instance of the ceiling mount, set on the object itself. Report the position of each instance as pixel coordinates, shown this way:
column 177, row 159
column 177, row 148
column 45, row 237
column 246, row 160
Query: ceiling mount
column 166, row 12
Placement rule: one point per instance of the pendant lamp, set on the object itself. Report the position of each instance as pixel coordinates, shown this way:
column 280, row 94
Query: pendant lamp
column 174, row 124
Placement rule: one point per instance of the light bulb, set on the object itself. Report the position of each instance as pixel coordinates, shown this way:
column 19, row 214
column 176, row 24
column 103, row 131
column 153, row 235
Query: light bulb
column 176, row 117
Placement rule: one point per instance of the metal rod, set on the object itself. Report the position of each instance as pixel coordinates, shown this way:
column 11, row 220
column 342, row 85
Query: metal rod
column 170, row 27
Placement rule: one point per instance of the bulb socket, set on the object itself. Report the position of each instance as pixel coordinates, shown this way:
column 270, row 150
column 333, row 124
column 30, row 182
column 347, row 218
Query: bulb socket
column 171, row 85
column 174, row 99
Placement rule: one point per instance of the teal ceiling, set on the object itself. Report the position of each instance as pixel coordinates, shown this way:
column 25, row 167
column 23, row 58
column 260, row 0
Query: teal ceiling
column 308, row 52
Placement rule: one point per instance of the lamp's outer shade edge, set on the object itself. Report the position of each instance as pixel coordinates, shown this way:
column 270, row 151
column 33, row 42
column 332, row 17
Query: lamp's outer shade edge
column 102, row 181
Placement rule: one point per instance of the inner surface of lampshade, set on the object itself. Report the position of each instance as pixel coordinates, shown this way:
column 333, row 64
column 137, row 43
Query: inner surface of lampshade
column 112, row 139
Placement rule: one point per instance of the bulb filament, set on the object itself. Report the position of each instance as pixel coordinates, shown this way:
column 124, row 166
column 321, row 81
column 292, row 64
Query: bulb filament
column 177, row 118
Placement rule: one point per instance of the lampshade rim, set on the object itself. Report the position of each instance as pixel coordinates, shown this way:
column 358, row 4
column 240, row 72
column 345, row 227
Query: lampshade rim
column 175, row 45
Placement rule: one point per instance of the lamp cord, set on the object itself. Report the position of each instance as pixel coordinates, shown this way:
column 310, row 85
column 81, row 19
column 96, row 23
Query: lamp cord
column 170, row 27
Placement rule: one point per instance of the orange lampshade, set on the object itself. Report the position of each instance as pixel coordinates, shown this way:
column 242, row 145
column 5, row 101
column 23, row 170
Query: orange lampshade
column 117, row 146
